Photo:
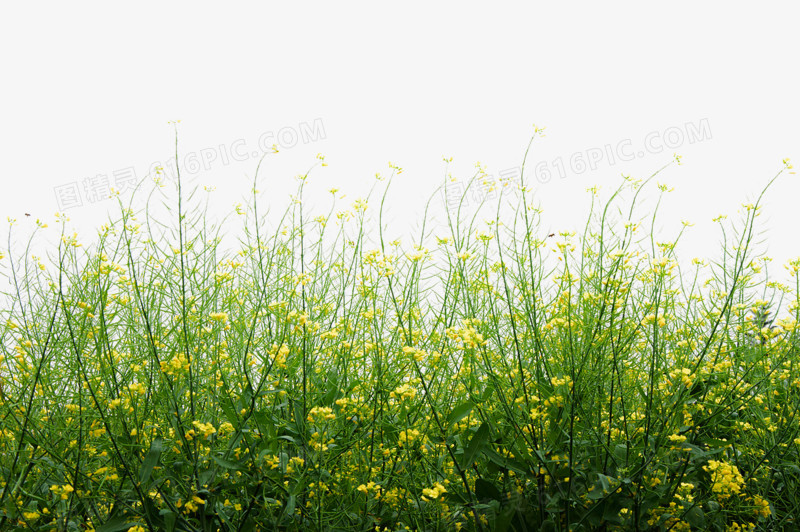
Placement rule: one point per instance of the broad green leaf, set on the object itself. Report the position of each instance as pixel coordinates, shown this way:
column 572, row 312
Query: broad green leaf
column 477, row 443
column 227, row 464
column 150, row 461
column 504, row 462
column 486, row 490
column 116, row 524
column 459, row 413
column 695, row 517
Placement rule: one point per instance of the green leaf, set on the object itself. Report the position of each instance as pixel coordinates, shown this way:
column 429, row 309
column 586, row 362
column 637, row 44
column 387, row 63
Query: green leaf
column 604, row 481
column 299, row 414
column 150, row 461
column 229, row 412
column 459, row 413
column 152, row 515
column 487, row 393
column 290, row 504
column 611, row 508
column 205, row 476
column 504, row 518
column 506, row 463
column 247, row 396
column 116, row 524
column 169, row 520
column 11, row 508
column 695, row 517
column 548, row 526
column 595, row 494
column 332, row 393
column 227, row 464
column 486, row 490
column 477, row 443
column 620, row 452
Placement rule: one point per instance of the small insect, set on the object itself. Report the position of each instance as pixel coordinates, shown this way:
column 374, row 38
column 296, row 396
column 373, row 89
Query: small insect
column 551, row 234
column 27, row 214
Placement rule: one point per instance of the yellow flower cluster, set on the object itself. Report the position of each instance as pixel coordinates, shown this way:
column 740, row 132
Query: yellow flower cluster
column 279, row 355
column 218, row 316
column 137, row 387
column 677, row 438
column 369, row 486
column 408, row 437
column 683, row 374
column 302, row 279
column 652, row 318
column 433, row 493
column 419, row 254
column 558, row 381
column 555, row 323
column 204, row 429
column 62, row 491
column 272, row 461
column 467, row 334
column 318, row 443
column 395, row 496
column 321, row 414
column 725, row 477
column 736, row 527
column 179, row 364
column 294, row 461
column 384, row 264
column 555, row 400
column 403, row 392
column 762, row 506
column 329, row 335
column 416, row 352
column 192, row 505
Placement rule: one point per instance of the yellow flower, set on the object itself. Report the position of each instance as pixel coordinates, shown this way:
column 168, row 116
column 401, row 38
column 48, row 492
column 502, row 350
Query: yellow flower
column 320, row 414
column 726, row 479
column 762, row 506
column 433, row 493
column 218, row 316
column 676, row 438
column 178, row 364
column 205, row 429
column 403, row 392
column 62, row 491
column 408, row 437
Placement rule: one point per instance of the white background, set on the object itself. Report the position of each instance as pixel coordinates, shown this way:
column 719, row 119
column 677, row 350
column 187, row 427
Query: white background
column 88, row 89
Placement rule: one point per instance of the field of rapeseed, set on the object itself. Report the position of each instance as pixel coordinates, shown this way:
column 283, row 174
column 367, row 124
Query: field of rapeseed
column 321, row 378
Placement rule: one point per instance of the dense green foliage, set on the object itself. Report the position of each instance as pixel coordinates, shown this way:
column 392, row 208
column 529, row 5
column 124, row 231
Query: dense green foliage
column 492, row 378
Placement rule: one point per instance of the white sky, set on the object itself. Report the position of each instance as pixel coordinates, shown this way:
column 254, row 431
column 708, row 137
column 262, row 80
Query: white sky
column 87, row 91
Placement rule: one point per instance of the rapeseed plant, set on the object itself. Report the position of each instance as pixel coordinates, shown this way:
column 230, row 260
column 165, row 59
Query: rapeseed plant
column 496, row 377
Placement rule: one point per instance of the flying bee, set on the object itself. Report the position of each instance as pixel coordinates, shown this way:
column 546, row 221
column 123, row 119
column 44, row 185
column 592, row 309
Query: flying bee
column 27, row 214
column 551, row 234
